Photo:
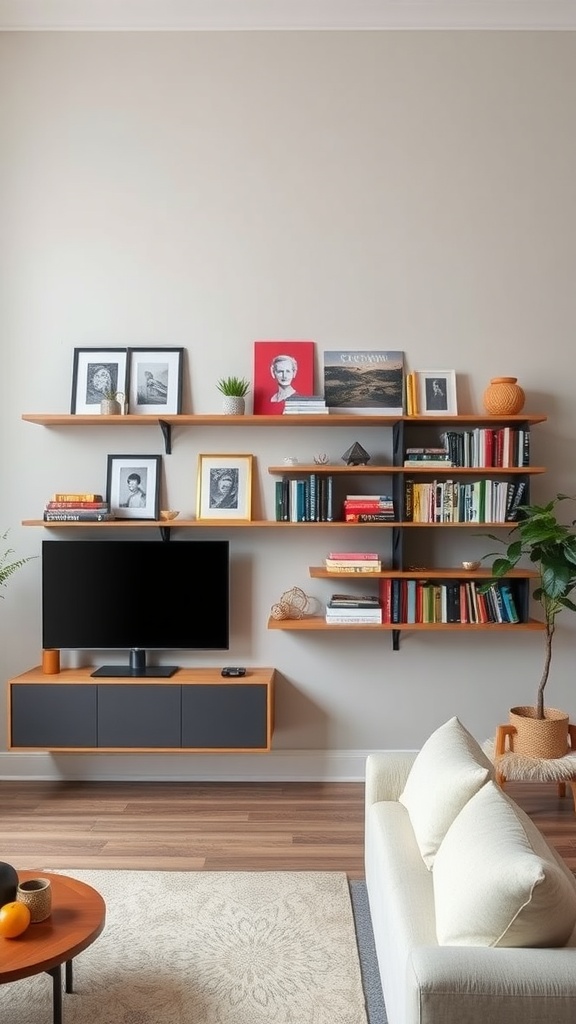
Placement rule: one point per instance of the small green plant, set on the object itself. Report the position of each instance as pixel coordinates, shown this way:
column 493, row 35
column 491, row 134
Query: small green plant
column 551, row 547
column 7, row 567
column 237, row 387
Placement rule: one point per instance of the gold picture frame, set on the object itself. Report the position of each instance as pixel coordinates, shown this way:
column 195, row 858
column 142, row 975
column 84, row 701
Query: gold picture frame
column 224, row 487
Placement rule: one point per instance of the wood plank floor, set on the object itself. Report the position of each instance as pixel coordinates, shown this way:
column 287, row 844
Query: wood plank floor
column 215, row 826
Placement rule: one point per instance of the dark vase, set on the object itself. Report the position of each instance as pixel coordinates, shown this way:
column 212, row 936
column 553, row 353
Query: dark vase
column 8, row 883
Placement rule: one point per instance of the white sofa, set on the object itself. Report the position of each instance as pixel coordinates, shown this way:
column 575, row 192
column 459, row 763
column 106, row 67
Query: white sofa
column 469, row 978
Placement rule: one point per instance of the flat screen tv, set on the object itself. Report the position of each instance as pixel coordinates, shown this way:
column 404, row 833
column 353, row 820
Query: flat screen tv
column 135, row 596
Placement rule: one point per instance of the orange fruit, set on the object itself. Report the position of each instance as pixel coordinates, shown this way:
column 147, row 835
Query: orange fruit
column 14, row 919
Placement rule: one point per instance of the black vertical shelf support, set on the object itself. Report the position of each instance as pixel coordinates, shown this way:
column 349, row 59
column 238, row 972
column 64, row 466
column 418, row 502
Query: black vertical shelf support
column 398, row 499
column 166, row 429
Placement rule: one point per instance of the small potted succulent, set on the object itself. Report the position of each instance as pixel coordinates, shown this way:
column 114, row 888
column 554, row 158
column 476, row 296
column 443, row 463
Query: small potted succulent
column 111, row 402
column 551, row 548
column 234, row 390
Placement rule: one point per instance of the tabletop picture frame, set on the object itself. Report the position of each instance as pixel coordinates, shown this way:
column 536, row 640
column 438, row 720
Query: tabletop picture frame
column 97, row 373
column 225, row 487
column 436, row 393
column 155, row 381
column 133, row 486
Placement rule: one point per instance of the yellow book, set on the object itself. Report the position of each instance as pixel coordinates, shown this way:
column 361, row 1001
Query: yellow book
column 85, row 496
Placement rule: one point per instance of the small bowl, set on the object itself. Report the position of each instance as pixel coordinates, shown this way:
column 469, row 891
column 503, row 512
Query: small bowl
column 470, row 566
column 168, row 513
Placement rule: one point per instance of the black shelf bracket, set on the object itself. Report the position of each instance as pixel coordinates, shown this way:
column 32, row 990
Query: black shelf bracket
column 166, row 429
column 395, row 639
column 165, row 533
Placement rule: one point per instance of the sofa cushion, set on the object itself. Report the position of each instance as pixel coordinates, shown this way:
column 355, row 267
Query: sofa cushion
column 449, row 769
column 496, row 880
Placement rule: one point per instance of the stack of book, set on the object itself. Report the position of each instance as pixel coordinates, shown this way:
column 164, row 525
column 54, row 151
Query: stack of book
column 305, row 404
column 353, row 561
column 368, row 508
column 345, row 609
column 427, row 457
column 77, row 507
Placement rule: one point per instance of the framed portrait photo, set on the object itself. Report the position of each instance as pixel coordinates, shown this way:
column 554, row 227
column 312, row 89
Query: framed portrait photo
column 436, row 393
column 155, row 380
column 133, row 486
column 97, row 373
column 224, row 487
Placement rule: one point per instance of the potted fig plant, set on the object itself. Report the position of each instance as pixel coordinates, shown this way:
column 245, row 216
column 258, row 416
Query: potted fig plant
column 551, row 548
column 234, row 390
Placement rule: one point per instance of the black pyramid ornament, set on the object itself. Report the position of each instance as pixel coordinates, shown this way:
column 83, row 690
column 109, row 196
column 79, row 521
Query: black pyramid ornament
column 356, row 455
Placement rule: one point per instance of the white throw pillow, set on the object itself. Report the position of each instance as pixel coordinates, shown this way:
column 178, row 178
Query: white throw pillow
column 497, row 882
column 449, row 769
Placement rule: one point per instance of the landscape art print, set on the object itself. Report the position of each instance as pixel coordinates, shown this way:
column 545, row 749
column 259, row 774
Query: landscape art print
column 364, row 382
column 281, row 369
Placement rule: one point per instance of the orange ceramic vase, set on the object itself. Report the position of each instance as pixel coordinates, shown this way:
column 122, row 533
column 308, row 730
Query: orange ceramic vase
column 503, row 397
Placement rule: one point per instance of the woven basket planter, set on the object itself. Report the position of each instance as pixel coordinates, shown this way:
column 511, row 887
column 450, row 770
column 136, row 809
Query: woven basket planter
column 540, row 737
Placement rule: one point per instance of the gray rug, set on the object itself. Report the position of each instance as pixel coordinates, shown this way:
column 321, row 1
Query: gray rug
column 368, row 961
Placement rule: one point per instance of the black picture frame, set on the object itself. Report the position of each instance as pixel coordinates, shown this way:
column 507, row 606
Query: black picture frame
column 110, row 365
column 133, row 486
column 155, row 381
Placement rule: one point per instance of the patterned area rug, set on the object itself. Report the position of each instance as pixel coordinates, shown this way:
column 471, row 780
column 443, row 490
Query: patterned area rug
column 184, row 947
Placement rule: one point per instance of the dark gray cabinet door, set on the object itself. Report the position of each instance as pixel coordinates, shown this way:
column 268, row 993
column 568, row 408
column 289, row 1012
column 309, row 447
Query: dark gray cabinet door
column 139, row 716
column 224, row 716
column 51, row 715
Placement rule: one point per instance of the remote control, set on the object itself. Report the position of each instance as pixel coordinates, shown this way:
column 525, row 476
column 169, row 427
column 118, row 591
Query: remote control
column 231, row 670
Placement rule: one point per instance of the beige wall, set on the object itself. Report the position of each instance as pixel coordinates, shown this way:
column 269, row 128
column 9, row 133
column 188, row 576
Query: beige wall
column 396, row 190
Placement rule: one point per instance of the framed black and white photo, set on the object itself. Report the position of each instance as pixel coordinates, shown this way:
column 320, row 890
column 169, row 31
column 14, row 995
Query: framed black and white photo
column 224, row 487
column 155, row 380
column 97, row 373
column 436, row 393
column 133, row 486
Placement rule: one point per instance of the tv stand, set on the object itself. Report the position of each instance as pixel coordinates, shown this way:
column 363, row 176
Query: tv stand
column 136, row 668
column 194, row 711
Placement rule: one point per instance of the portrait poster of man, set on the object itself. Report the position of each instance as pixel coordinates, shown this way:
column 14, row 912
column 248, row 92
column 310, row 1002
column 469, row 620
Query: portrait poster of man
column 224, row 488
column 281, row 369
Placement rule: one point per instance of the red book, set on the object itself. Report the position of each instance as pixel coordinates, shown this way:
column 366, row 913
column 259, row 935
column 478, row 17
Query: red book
column 76, row 504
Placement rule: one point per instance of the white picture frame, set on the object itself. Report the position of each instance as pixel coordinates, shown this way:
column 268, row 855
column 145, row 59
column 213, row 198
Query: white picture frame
column 225, row 487
column 133, row 486
column 436, row 393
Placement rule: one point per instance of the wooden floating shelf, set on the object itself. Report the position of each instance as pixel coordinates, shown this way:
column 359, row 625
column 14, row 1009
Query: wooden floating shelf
column 214, row 420
column 411, row 471
column 457, row 572
column 318, row 624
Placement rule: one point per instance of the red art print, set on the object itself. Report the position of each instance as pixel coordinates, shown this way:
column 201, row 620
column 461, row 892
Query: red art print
column 281, row 368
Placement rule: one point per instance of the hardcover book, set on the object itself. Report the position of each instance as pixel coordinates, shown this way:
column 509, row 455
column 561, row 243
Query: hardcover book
column 364, row 382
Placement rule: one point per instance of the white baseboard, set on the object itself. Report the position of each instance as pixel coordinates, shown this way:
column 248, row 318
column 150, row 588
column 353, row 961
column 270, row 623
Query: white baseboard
column 278, row 766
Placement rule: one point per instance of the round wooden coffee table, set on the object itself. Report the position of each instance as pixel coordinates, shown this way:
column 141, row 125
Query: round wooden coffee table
column 77, row 919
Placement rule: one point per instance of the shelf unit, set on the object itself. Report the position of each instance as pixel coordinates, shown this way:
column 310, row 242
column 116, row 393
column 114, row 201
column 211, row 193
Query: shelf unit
column 404, row 430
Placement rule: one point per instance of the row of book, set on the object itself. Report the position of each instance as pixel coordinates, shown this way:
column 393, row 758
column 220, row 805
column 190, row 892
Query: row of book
column 306, row 405
column 368, row 508
column 77, row 507
column 308, row 500
column 464, row 601
column 353, row 562
column 451, row 501
column 343, row 609
column 485, row 447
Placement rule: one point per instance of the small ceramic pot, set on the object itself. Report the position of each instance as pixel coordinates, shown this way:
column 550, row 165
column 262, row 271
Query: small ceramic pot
column 36, row 893
column 233, row 405
column 110, row 407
